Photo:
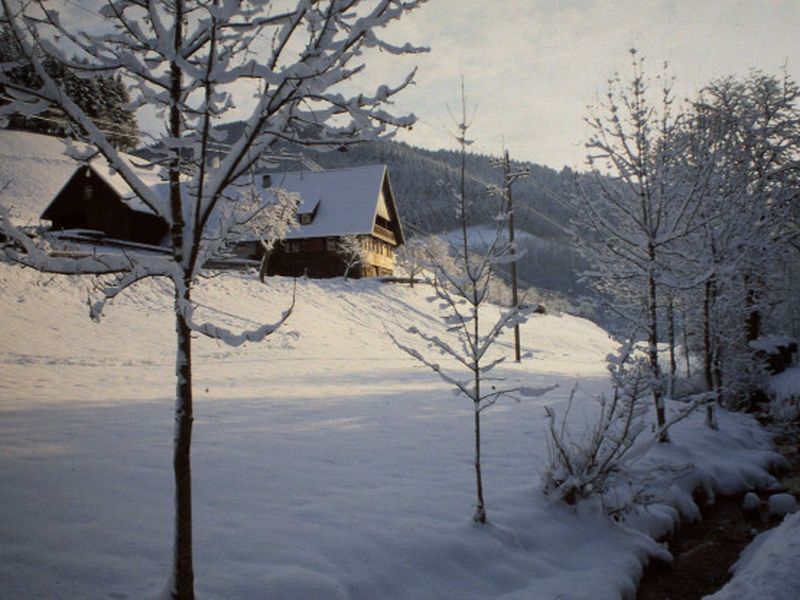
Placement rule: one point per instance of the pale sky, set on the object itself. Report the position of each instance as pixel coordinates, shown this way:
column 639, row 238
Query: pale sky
column 533, row 66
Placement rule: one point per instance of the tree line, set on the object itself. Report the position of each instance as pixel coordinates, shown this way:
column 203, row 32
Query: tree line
column 690, row 220
column 104, row 98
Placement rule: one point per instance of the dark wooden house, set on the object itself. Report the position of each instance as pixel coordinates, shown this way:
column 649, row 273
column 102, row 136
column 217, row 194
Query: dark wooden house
column 356, row 201
column 96, row 201
column 92, row 204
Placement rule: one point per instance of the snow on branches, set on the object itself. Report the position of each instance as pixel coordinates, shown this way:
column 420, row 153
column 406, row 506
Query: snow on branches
column 188, row 60
column 463, row 277
column 353, row 252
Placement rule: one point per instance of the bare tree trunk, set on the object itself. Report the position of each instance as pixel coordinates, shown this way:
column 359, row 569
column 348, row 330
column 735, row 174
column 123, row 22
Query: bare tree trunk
column 658, row 395
column 480, row 508
column 686, row 356
column 673, row 366
column 263, row 267
column 708, row 351
column 753, row 320
column 717, row 370
column 183, row 570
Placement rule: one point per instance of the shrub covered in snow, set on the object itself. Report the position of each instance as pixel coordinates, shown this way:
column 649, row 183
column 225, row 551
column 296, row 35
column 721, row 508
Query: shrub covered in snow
column 600, row 462
column 588, row 464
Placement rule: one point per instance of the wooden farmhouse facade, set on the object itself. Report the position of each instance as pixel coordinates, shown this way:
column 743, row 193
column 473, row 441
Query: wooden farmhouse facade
column 95, row 201
column 355, row 201
column 86, row 201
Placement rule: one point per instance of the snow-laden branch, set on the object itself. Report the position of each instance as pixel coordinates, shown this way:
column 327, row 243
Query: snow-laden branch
column 21, row 248
column 141, row 268
column 434, row 341
column 461, row 386
column 223, row 334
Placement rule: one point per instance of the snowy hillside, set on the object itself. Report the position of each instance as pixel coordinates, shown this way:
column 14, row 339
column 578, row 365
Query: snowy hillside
column 327, row 464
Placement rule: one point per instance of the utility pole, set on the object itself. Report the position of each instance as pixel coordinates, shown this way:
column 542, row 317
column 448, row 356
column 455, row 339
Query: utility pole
column 509, row 177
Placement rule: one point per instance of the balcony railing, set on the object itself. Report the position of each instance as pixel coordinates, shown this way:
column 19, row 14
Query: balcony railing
column 386, row 234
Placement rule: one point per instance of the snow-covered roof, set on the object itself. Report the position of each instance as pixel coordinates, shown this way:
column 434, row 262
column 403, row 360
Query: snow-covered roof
column 346, row 200
column 34, row 169
column 117, row 183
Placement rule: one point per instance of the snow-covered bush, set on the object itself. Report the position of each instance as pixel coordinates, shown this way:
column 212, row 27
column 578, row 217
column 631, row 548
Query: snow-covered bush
column 601, row 461
column 584, row 465
column 352, row 251
column 411, row 257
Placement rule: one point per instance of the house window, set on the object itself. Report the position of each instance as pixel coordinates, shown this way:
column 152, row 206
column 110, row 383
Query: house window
column 305, row 219
column 330, row 244
column 88, row 191
column 295, row 247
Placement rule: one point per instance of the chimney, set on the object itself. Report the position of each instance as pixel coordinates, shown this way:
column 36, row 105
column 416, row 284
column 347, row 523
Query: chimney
column 266, row 181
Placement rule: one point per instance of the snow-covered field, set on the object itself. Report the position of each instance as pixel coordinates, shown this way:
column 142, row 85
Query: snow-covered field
column 327, row 463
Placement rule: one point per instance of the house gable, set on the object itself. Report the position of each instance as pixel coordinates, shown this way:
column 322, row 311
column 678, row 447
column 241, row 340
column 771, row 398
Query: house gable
column 387, row 223
column 88, row 202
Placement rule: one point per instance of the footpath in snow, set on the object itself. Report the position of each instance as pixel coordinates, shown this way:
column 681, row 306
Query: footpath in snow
column 327, row 463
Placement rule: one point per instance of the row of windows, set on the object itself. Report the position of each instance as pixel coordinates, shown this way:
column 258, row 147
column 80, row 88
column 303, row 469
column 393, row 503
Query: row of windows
column 378, row 246
column 295, row 246
column 330, row 244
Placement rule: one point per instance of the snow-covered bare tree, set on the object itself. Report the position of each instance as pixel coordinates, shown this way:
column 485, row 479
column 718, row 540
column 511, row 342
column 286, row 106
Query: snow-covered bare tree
column 638, row 203
column 749, row 132
column 411, row 257
column 268, row 221
column 191, row 61
column 462, row 284
column 352, row 251
column 598, row 460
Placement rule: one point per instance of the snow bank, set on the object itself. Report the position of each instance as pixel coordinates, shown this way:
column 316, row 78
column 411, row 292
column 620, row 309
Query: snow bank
column 770, row 344
column 768, row 566
column 784, row 390
column 327, row 464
